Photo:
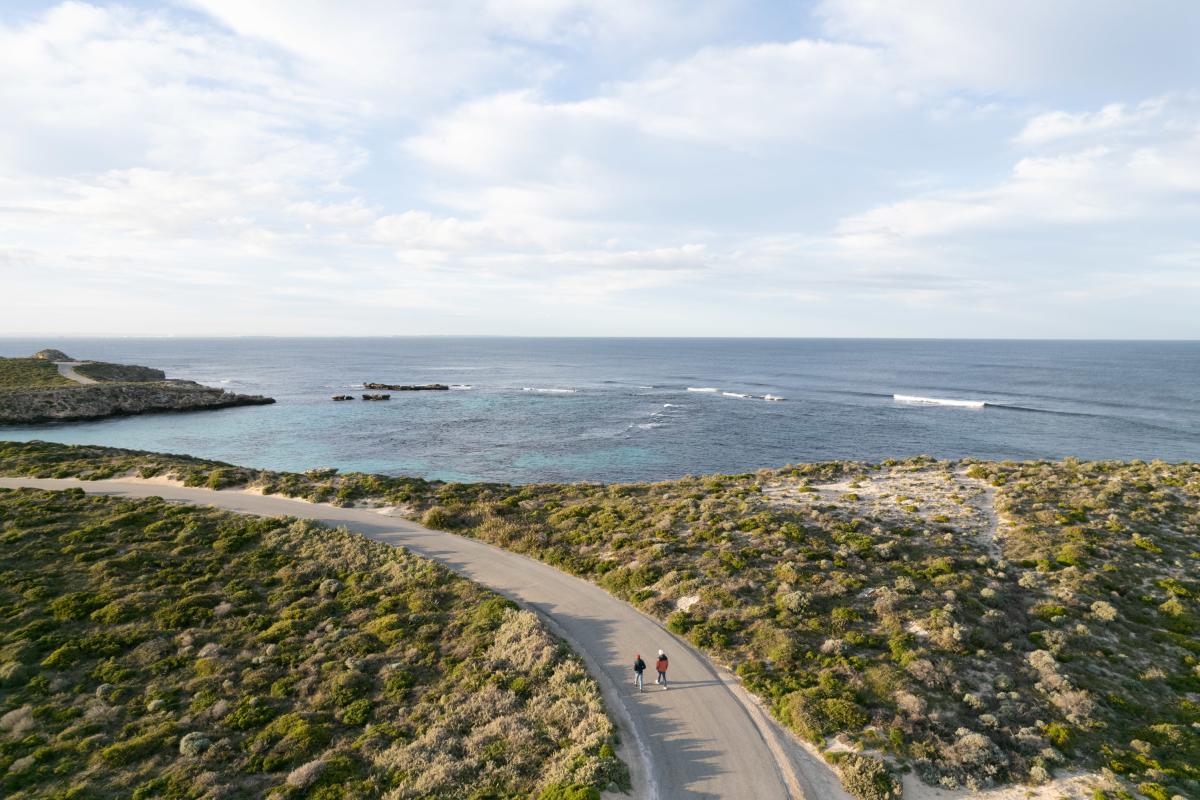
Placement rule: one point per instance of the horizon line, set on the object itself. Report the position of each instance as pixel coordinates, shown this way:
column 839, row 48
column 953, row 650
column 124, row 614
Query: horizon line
column 18, row 336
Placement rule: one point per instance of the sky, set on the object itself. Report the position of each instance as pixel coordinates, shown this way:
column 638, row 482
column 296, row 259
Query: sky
column 997, row 168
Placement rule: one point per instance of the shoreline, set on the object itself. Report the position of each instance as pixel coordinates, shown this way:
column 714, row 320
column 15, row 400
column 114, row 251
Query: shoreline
column 102, row 401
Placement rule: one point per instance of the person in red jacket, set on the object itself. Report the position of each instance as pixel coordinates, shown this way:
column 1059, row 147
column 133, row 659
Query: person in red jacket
column 661, row 666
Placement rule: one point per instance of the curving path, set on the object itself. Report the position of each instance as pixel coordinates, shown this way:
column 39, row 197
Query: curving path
column 67, row 370
column 703, row 738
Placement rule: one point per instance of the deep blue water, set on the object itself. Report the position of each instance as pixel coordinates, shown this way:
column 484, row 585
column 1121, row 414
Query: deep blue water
column 629, row 414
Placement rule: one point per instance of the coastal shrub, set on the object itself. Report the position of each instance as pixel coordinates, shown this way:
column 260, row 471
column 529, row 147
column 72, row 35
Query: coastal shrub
column 867, row 777
column 569, row 792
column 357, row 712
column 74, row 605
column 249, row 714
column 915, row 623
column 222, row 479
column 803, row 712
column 287, row 741
column 22, row 373
column 437, row 518
column 138, row 747
column 159, row 684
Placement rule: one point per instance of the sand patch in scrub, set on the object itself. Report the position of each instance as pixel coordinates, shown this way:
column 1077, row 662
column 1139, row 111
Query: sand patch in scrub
column 1077, row 786
column 930, row 494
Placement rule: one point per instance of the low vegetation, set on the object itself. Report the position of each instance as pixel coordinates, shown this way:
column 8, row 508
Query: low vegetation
column 977, row 623
column 121, row 373
column 24, row 373
column 32, row 373
column 150, row 650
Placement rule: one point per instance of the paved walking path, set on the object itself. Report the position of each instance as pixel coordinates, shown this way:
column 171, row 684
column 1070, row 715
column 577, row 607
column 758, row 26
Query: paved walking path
column 702, row 738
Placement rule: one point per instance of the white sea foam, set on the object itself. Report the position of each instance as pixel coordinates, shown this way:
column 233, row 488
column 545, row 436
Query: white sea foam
column 708, row 389
column 672, row 405
column 937, row 401
column 648, row 425
column 774, row 398
column 547, row 391
column 460, row 386
column 734, row 394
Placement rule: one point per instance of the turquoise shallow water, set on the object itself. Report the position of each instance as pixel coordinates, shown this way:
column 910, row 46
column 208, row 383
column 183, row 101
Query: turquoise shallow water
column 623, row 409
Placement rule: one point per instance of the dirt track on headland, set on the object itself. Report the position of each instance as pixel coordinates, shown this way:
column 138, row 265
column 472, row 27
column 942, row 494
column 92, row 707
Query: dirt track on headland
column 67, row 370
column 703, row 738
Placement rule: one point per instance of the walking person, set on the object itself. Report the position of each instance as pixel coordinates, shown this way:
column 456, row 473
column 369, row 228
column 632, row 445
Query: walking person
column 639, row 667
column 661, row 666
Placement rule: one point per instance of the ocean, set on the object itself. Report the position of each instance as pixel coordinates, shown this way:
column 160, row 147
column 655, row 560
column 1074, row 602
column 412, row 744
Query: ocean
column 533, row 410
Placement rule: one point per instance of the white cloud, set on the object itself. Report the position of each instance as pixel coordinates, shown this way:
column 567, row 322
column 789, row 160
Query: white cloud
column 552, row 165
column 1151, row 173
column 404, row 58
column 799, row 93
column 1056, row 125
column 351, row 214
column 1023, row 46
column 802, row 92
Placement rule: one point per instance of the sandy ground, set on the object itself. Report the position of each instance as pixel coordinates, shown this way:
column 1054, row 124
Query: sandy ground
column 1068, row 787
column 907, row 497
column 67, row 370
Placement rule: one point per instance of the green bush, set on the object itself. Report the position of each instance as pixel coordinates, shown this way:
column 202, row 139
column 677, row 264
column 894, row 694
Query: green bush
column 140, row 747
column 572, row 791
column 867, row 777
column 249, row 714
column 356, row 713
column 437, row 518
column 74, row 605
column 347, row 687
column 803, row 713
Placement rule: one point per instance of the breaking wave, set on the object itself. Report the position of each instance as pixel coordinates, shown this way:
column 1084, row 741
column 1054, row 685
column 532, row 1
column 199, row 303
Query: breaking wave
column 937, row 401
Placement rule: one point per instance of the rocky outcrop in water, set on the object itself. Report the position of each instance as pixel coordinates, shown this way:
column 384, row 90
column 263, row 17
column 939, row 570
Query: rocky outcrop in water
column 97, row 400
column 425, row 387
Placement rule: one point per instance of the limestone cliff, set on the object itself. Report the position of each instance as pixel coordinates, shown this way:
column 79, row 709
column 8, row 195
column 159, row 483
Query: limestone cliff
column 97, row 400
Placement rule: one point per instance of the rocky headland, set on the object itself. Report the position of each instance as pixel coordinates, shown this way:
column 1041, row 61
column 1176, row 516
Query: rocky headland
column 51, row 387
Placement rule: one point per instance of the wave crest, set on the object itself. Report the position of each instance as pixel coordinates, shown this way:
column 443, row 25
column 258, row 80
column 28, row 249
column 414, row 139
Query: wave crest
column 915, row 400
